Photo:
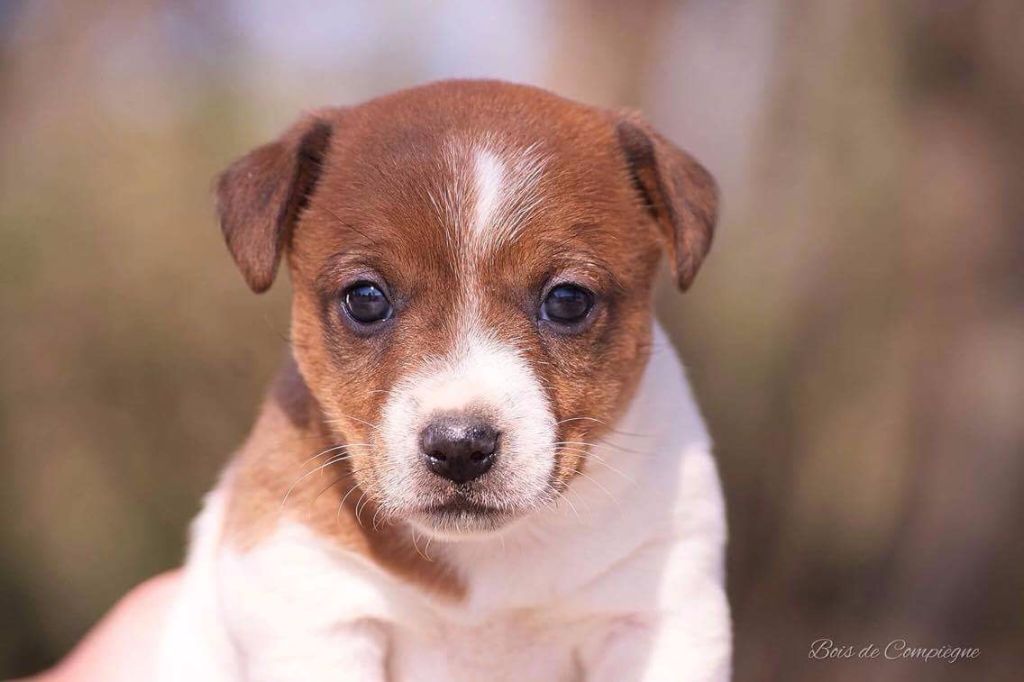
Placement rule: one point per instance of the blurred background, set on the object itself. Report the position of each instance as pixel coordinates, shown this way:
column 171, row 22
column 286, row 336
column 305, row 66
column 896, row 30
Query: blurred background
column 856, row 337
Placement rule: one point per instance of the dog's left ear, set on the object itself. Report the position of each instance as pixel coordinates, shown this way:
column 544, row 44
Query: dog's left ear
column 260, row 197
column 680, row 194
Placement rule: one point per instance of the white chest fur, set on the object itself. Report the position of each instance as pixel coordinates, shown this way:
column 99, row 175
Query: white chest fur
column 620, row 581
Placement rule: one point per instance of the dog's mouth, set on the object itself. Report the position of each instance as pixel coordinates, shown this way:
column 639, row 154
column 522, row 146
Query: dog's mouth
column 461, row 516
column 461, row 505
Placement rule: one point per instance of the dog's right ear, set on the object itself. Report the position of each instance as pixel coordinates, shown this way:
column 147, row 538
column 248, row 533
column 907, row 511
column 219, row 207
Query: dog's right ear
column 680, row 194
column 261, row 195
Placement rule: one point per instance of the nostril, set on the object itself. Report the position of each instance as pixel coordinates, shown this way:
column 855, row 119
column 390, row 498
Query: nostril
column 483, row 442
column 434, row 441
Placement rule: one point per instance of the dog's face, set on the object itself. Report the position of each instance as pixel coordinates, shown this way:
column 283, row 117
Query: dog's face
column 471, row 267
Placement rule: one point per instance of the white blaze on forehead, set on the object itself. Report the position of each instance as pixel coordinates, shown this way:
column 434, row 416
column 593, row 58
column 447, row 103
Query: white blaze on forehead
column 489, row 172
column 518, row 198
column 493, row 190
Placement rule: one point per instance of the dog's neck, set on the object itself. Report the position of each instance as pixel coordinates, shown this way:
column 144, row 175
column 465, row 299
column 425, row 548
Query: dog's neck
column 282, row 473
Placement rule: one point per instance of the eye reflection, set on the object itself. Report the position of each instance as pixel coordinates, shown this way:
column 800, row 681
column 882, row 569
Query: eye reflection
column 567, row 304
column 366, row 303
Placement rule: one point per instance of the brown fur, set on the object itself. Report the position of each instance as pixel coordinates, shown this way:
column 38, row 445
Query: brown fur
column 347, row 192
column 281, row 449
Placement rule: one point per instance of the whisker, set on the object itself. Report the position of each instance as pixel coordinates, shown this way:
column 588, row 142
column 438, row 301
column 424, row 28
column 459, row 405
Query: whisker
column 605, row 490
column 359, row 510
column 600, row 460
column 600, row 445
column 332, row 449
column 605, row 424
column 591, row 455
column 572, row 506
column 355, row 419
column 417, row 548
column 323, row 490
column 341, row 504
column 300, row 479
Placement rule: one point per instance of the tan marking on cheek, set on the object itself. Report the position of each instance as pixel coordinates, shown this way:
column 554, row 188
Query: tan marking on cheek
column 587, row 404
column 279, row 453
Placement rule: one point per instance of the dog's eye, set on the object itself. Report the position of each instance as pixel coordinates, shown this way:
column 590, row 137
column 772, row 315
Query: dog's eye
column 566, row 304
column 366, row 303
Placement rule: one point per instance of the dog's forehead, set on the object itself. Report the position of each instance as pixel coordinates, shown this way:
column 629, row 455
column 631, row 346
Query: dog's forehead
column 423, row 117
column 492, row 142
column 469, row 168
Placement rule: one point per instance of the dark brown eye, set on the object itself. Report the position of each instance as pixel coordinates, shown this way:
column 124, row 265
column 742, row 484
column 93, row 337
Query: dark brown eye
column 366, row 303
column 566, row 304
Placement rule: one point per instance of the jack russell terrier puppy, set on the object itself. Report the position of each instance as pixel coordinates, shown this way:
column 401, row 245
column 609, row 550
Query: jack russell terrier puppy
column 481, row 459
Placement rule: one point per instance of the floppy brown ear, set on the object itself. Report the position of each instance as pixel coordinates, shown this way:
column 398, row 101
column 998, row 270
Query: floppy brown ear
column 680, row 194
column 260, row 196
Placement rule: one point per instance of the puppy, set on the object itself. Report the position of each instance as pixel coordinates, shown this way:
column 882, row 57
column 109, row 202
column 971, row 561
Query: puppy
column 481, row 459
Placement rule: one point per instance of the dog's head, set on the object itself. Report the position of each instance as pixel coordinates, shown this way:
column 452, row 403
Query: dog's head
column 471, row 265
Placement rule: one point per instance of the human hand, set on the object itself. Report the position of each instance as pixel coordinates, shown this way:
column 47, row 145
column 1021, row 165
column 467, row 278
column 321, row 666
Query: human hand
column 123, row 645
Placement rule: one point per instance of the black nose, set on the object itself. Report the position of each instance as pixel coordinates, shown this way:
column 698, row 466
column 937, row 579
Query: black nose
column 459, row 448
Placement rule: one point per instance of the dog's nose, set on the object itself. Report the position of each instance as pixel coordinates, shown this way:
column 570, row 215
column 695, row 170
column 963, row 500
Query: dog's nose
column 459, row 448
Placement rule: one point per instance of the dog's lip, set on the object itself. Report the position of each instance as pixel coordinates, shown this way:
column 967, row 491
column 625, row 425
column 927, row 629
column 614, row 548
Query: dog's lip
column 461, row 506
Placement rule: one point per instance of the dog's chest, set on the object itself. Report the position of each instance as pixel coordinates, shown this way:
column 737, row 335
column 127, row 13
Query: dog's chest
column 521, row 645
column 291, row 601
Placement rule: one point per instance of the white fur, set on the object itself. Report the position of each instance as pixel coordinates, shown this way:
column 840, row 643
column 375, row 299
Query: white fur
column 508, row 191
column 489, row 172
column 480, row 373
column 494, row 190
column 622, row 580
